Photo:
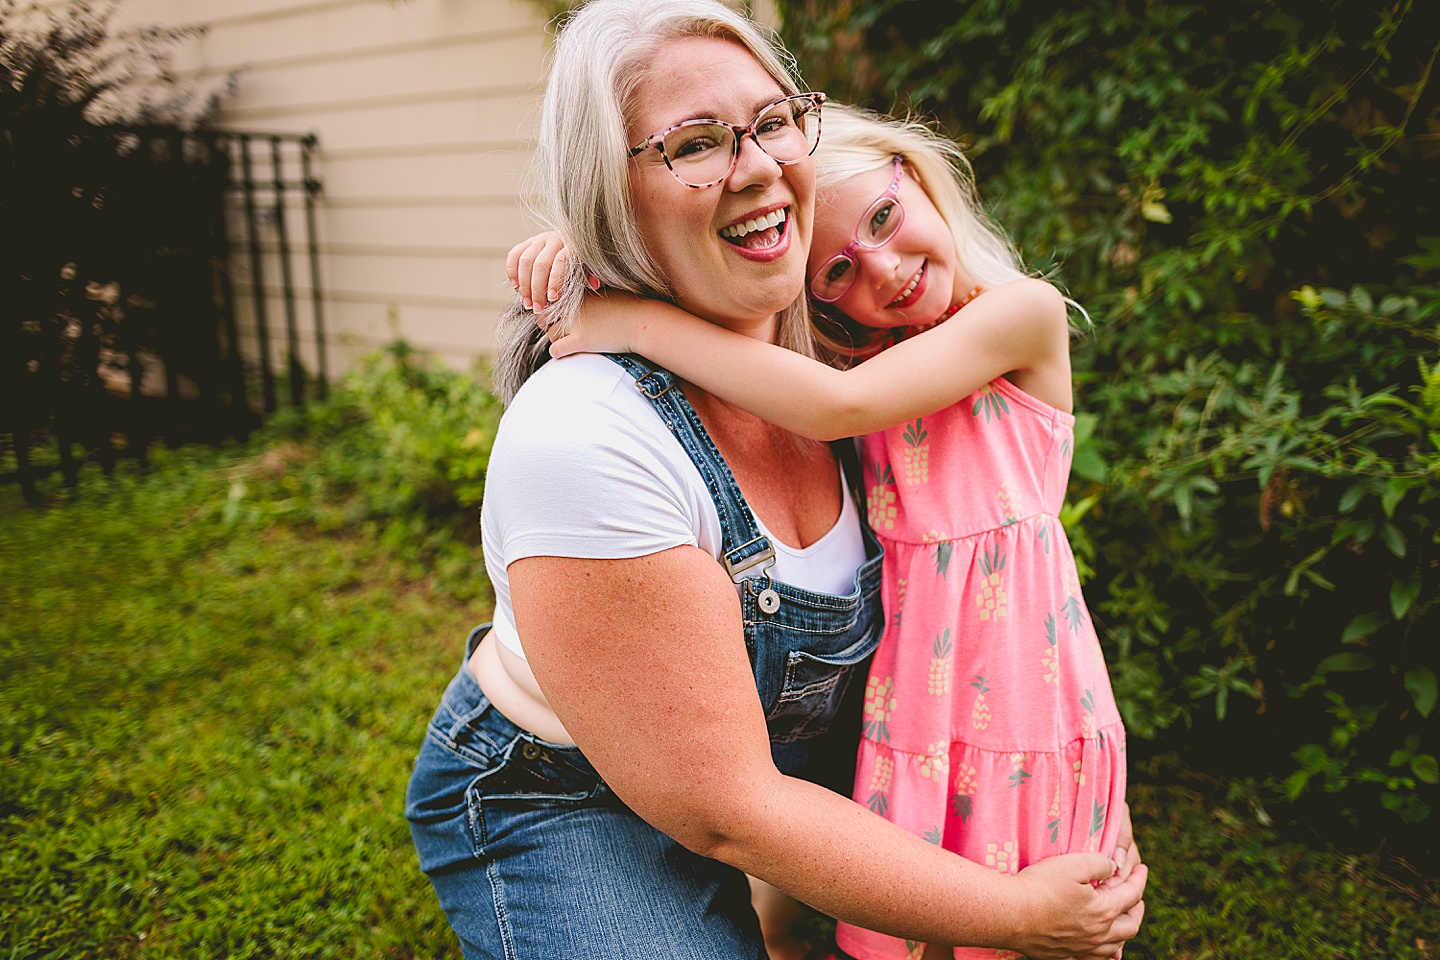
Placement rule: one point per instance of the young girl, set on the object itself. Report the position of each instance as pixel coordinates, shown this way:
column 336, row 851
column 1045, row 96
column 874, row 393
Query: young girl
column 989, row 724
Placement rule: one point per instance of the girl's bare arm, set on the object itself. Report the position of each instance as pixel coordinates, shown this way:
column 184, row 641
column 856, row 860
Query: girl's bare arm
column 1019, row 328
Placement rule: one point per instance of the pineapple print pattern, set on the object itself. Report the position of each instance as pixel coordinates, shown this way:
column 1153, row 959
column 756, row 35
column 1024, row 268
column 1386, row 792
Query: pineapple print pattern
column 990, row 403
column 1001, row 857
column 980, row 713
column 1050, row 661
column 962, row 801
column 879, row 704
column 943, row 551
column 1018, row 773
column 879, row 799
column 1054, row 823
column 1010, row 503
column 935, row 762
column 1087, row 723
column 917, row 452
column 882, row 499
column 1096, row 825
column 991, row 597
column 974, row 533
column 940, row 664
column 1074, row 615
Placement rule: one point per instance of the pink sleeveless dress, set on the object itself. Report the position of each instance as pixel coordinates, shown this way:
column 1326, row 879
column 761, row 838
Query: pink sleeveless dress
column 989, row 724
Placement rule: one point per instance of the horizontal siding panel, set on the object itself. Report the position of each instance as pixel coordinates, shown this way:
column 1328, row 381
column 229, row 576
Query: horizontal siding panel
column 477, row 114
column 337, row 19
column 491, row 228
column 446, row 173
column 512, row 64
column 317, row 36
column 453, row 280
column 394, row 277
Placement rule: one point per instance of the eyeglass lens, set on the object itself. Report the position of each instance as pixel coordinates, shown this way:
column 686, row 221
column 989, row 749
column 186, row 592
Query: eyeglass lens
column 702, row 153
column 878, row 224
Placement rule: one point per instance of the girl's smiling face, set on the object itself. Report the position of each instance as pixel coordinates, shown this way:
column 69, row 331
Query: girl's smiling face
column 913, row 278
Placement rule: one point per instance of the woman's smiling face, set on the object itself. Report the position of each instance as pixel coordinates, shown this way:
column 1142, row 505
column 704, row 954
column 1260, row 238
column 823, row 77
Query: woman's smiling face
column 910, row 280
column 738, row 282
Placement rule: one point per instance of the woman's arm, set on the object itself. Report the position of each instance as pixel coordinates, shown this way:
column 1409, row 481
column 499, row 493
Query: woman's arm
column 655, row 686
column 1019, row 326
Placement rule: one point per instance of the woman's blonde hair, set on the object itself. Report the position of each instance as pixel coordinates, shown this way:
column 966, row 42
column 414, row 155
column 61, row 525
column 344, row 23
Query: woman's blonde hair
column 856, row 141
column 580, row 175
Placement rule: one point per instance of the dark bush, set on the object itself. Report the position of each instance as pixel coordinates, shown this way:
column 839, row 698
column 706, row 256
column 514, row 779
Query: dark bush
column 1244, row 197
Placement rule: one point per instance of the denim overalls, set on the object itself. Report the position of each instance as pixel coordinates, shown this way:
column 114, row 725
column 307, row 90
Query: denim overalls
column 531, row 853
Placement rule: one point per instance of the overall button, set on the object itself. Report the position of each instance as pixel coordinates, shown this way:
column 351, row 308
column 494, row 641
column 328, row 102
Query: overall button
column 530, row 751
column 769, row 600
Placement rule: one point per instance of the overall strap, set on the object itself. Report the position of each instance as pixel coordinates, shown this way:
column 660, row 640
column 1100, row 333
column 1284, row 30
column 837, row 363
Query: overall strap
column 743, row 546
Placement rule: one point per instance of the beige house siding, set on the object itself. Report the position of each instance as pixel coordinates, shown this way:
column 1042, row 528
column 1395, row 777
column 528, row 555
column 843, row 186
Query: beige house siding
column 424, row 110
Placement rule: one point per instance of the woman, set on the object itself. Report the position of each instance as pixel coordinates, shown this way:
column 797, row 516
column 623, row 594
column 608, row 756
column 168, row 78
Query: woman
column 688, row 714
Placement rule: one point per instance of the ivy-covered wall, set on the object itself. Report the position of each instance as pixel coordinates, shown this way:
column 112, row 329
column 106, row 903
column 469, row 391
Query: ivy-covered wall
column 1244, row 197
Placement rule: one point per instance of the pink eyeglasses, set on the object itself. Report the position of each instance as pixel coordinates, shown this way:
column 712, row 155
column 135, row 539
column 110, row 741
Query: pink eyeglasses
column 880, row 222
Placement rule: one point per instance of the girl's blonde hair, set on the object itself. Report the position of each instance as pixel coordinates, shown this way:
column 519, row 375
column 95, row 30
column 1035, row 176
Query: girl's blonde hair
column 854, row 141
column 580, row 175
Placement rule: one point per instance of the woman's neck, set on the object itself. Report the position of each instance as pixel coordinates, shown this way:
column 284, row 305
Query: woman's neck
column 766, row 328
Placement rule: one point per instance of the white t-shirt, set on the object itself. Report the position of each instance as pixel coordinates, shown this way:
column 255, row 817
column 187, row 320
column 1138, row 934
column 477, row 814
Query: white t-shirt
column 584, row 467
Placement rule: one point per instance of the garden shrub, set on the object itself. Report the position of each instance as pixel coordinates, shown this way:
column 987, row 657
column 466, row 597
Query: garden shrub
column 400, row 447
column 1244, row 198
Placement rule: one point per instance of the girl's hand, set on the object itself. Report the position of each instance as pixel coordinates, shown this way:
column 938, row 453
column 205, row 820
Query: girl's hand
column 1075, row 918
column 535, row 268
column 606, row 323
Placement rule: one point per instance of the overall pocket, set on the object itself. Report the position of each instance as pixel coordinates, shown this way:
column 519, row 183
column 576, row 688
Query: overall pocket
column 813, row 686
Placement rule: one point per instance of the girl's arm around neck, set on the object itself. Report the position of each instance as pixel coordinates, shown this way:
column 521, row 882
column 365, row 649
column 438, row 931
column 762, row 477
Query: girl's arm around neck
column 1019, row 328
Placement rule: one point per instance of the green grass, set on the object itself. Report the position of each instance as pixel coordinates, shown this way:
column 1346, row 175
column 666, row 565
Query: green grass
column 205, row 730
column 207, row 716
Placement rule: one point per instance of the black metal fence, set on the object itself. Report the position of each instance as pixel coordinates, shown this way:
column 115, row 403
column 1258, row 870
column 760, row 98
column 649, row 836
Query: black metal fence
column 274, row 172
column 118, row 313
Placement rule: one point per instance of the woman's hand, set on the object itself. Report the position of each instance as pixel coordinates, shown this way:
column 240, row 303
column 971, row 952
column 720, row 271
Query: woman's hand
column 1127, row 854
column 1075, row 917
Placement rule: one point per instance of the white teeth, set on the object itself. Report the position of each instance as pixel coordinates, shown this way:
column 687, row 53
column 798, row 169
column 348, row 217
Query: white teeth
column 772, row 219
column 910, row 287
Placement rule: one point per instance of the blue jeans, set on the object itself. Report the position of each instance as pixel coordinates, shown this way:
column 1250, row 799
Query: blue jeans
column 530, row 852
column 533, row 856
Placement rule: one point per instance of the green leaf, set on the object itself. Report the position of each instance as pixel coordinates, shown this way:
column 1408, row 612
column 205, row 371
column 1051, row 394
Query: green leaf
column 1155, row 212
column 1402, row 596
column 1394, row 539
column 1394, row 492
column 1362, row 300
column 1347, row 662
column 1089, row 465
column 1420, row 681
column 1363, row 626
column 1425, row 768
column 1351, row 497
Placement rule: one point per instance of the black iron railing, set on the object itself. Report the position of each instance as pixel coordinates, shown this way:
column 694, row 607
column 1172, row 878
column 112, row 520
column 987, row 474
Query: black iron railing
column 118, row 306
column 254, row 188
